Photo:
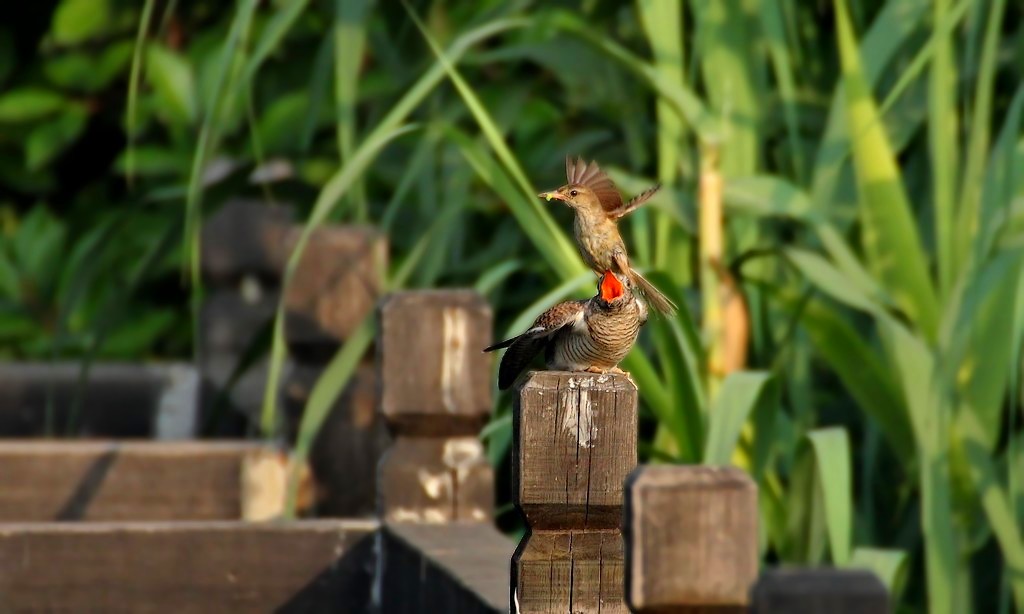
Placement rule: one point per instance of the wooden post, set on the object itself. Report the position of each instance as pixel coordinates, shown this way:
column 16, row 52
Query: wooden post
column 691, row 539
column 820, row 591
column 574, row 443
column 435, row 395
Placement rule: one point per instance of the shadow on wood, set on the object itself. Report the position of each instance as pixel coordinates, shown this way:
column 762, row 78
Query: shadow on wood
column 457, row 568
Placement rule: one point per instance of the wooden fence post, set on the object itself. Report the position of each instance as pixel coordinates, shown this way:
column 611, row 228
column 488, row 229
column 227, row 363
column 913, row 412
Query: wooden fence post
column 691, row 539
column 435, row 395
column 820, row 591
column 574, row 443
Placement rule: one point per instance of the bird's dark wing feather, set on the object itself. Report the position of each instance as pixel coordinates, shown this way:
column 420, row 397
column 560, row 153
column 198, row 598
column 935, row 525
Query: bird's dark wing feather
column 523, row 348
column 636, row 202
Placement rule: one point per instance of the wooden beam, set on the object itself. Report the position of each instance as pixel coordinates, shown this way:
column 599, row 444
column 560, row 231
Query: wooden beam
column 435, row 395
column 820, row 591
column 691, row 539
column 457, row 568
column 113, row 400
column 217, row 566
column 574, row 444
column 96, row 480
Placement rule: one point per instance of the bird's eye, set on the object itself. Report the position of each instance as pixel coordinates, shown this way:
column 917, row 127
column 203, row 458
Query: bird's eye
column 573, row 193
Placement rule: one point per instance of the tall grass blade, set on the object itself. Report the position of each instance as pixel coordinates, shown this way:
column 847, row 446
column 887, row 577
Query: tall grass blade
column 739, row 396
column 967, row 222
column 135, row 76
column 832, row 455
column 349, row 45
column 891, row 242
column 942, row 141
column 328, row 388
column 325, row 202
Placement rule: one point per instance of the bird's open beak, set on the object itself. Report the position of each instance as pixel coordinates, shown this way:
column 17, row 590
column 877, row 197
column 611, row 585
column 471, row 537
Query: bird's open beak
column 550, row 195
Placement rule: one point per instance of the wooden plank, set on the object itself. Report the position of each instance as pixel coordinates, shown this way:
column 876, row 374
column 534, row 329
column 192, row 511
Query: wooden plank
column 691, row 539
column 217, row 566
column 574, row 444
column 96, row 480
column 458, row 568
column 435, row 395
column 115, row 400
column 820, row 591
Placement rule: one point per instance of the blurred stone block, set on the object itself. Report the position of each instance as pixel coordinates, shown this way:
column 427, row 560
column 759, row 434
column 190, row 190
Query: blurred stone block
column 114, row 400
column 231, row 319
column 244, row 236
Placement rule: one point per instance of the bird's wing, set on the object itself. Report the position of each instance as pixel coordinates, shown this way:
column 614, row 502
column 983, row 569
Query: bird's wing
column 523, row 348
column 635, row 203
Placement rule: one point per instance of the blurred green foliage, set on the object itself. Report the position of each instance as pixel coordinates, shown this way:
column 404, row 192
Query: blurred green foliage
column 872, row 155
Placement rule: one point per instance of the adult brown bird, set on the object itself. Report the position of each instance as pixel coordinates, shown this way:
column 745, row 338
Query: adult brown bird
column 586, row 335
column 598, row 205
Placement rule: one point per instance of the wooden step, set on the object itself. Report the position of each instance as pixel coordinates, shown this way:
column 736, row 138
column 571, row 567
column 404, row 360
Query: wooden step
column 212, row 566
column 105, row 480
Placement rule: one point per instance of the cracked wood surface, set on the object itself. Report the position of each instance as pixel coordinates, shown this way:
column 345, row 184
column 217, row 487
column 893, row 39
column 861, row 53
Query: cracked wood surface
column 574, row 444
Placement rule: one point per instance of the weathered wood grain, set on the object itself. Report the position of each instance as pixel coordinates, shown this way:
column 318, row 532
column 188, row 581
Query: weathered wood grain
column 820, row 591
column 458, row 568
column 95, row 480
column 435, row 395
column 433, row 376
column 574, row 444
column 197, row 567
column 691, row 539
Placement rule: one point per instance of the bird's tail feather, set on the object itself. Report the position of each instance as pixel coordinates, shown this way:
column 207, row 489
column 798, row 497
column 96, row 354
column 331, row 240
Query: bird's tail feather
column 658, row 301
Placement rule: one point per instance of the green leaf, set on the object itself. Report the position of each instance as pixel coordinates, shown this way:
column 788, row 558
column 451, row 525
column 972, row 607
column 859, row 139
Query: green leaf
column 994, row 499
column 28, row 104
column 866, row 378
column 174, row 83
column 943, row 146
column 48, row 140
column 827, row 278
column 928, row 400
column 768, row 196
column 889, row 565
column 539, row 224
column 740, row 394
column 76, row 21
column 832, row 457
column 889, row 235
